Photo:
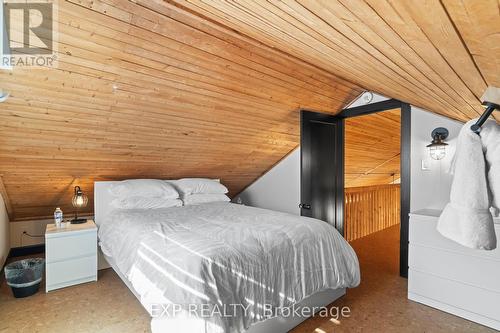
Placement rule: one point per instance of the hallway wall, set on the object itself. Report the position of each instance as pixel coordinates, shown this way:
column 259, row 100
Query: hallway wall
column 430, row 188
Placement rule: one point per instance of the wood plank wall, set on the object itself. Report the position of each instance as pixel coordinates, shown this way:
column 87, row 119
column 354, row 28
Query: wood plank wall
column 145, row 89
column 370, row 209
column 176, row 88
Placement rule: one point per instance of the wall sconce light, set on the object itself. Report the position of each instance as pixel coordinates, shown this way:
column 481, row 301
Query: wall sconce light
column 79, row 200
column 437, row 148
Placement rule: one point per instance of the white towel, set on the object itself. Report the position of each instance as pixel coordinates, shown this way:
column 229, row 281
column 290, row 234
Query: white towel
column 467, row 219
column 490, row 138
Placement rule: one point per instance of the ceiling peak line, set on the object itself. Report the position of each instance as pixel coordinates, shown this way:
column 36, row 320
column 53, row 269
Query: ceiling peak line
column 230, row 18
column 435, row 80
column 396, row 83
column 398, row 70
column 434, row 70
column 442, row 51
column 464, row 44
column 346, row 39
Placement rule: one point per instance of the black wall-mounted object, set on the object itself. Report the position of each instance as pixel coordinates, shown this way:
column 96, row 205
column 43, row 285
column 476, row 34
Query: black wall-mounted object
column 491, row 100
column 439, row 134
column 490, row 107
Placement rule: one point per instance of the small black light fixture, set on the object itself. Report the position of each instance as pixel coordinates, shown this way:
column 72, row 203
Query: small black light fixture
column 437, row 148
column 79, row 200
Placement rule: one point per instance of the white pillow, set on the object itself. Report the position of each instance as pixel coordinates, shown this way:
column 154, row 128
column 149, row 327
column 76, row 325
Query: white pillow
column 195, row 199
column 150, row 188
column 145, row 203
column 199, row 185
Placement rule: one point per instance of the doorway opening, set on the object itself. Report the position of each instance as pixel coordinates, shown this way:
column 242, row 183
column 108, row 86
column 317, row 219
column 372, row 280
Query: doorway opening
column 372, row 184
column 323, row 179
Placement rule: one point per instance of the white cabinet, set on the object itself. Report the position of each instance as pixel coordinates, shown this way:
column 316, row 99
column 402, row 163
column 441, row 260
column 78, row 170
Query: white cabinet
column 451, row 277
column 70, row 255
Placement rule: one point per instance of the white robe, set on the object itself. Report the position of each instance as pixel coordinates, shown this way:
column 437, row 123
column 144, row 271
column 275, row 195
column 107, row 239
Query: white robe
column 475, row 191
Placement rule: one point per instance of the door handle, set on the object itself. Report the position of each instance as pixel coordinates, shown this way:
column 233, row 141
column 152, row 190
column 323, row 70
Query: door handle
column 304, row 206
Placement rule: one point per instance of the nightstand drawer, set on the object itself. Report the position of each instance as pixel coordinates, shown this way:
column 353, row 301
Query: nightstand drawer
column 71, row 246
column 66, row 273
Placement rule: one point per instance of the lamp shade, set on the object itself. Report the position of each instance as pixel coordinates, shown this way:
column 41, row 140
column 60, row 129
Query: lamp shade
column 79, row 198
column 437, row 152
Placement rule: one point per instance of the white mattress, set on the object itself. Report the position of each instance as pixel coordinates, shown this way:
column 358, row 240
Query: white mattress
column 226, row 254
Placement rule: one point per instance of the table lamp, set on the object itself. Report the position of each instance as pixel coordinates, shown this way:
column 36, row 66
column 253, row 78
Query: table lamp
column 79, row 200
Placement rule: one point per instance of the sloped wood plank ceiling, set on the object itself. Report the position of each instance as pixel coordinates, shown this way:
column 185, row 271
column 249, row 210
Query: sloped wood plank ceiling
column 152, row 88
column 149, row 90
column 372, row 149
column 436, row 54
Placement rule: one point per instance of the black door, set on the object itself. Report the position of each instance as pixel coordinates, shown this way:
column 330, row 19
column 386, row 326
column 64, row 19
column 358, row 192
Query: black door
column 322, row 167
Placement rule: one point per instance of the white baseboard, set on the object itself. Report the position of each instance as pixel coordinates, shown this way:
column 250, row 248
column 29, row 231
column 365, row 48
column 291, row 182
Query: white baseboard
column 477, row 318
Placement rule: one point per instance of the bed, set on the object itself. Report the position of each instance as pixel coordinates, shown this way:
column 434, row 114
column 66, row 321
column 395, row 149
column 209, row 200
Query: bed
column 223, row 267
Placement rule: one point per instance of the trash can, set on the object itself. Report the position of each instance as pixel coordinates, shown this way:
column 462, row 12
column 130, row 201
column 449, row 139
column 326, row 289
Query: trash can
column 24, row 276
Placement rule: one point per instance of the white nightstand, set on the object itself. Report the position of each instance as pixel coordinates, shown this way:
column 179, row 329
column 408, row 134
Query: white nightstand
column 70, row 255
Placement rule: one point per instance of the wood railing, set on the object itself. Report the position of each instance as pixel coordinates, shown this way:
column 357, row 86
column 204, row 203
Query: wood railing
column 370, row 209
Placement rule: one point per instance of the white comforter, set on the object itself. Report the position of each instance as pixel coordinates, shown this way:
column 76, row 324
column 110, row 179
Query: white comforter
column 223, row 253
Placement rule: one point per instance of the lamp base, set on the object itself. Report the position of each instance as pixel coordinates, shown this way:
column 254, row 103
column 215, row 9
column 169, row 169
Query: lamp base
column 78, row 221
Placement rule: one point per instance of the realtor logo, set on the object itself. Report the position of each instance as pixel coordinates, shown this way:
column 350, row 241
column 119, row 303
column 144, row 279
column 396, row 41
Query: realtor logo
column 29, row 36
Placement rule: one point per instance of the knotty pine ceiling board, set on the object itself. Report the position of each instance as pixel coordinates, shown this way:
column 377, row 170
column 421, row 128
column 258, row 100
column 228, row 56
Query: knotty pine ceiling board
column 145, row 89
column 372, row 149
column 438, row 55
column 213, row 88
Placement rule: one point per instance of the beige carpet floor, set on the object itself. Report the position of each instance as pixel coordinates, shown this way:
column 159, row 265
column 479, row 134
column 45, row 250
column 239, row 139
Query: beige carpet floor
column 379, row 304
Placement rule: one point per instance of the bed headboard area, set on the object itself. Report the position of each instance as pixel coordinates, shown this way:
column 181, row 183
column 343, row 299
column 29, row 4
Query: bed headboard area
column 102, row 200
